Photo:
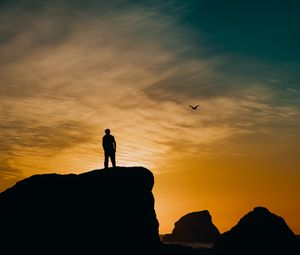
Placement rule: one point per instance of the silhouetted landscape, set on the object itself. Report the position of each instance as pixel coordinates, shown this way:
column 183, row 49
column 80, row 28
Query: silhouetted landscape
column 111, row 211
column 204, row 94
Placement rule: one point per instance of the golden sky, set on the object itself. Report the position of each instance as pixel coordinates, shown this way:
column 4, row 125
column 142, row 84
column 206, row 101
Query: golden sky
column 69, row 72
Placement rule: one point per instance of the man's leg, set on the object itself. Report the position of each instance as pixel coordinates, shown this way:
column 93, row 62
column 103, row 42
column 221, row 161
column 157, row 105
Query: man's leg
column 113, row 159
column 106, row 155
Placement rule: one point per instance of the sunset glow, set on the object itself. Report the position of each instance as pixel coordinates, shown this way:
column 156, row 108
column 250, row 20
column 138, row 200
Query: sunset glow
column 71, row 69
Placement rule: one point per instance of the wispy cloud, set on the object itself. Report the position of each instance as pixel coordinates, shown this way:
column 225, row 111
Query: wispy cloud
column 67, row 74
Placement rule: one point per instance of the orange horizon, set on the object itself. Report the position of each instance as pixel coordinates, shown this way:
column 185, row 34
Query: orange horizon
column 171, row 204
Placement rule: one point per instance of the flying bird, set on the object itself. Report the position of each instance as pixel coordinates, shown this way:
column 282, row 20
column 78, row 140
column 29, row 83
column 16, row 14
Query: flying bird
column 194, row 107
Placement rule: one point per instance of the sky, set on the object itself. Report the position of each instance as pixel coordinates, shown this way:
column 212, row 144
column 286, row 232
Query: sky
column 70, row 69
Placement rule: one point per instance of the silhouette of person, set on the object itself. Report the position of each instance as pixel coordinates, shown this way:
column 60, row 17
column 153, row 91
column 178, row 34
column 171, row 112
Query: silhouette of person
column 109, row 146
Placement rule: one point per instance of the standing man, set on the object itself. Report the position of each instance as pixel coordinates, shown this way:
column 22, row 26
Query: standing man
column 109, row 146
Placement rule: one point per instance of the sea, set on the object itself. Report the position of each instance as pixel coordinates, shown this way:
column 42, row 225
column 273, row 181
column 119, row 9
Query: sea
column 193, row 244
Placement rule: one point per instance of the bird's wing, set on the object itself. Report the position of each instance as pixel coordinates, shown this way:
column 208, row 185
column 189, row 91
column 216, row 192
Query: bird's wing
column 190, row 106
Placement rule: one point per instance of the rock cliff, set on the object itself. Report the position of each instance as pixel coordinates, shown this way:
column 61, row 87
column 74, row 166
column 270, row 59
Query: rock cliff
column 102, row 210
column 194, row 227
column 258, row 232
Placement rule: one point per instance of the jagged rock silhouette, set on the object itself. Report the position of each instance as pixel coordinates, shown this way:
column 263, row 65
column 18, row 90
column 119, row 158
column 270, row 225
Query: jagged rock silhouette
column 111, row 211
column 258, row 232
column 194, row 227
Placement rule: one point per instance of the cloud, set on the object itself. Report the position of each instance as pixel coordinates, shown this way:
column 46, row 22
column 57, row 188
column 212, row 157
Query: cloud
column 9, row 175
column 68, row 74
column 65, row 77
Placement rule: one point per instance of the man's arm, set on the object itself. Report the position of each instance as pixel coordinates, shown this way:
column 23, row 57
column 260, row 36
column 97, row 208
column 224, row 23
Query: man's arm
column 114, row 143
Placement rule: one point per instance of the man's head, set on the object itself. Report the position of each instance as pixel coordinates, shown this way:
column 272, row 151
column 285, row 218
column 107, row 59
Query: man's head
column 107, row 131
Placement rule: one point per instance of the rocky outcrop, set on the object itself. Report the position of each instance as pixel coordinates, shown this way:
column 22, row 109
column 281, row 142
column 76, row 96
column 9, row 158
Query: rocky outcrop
column 109, row 210
column 193, row 227
column 258, row 232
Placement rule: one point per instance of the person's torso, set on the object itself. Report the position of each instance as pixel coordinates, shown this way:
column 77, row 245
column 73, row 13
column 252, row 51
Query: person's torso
column 108, row 142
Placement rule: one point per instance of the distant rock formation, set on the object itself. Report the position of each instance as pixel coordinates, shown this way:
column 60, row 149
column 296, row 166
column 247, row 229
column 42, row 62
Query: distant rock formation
column 110, row 209
column 258, row 232
column 193, row 227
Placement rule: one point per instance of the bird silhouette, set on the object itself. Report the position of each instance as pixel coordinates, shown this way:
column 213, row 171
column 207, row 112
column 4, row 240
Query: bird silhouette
column 194, row 107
